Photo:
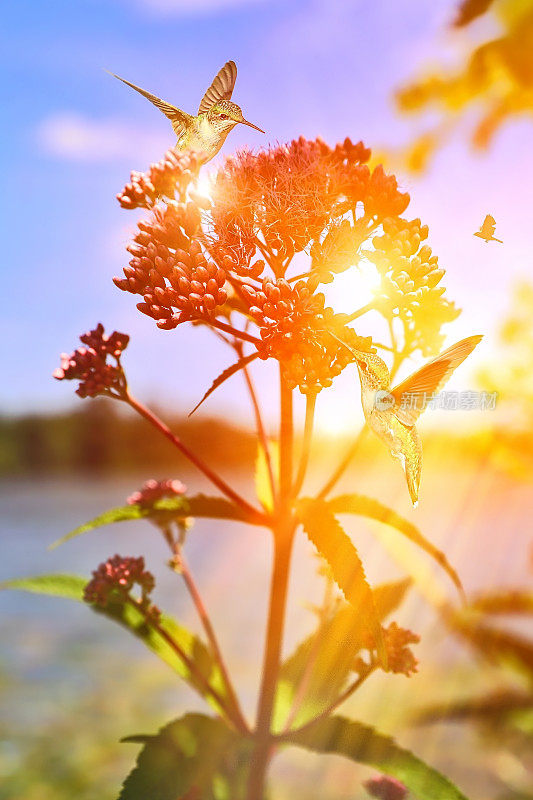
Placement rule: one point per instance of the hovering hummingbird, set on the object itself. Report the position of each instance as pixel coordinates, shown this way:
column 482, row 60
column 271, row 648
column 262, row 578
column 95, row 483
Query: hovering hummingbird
column 392, row 413
column 216, row 117
column 486, row 231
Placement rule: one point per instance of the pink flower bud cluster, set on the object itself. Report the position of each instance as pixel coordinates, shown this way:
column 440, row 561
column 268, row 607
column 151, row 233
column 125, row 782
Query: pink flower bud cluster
column 114, row 579
column 385, row 788
column 400, row 658
column 89, row 364
column 153, row 490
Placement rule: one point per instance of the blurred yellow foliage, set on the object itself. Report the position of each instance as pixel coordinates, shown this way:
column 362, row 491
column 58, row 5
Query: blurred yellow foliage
column 496, row 77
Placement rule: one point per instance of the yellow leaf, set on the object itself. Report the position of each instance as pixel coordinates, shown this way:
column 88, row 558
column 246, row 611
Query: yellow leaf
column 263, row 487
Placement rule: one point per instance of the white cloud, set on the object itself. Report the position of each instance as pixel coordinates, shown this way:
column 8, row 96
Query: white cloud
column 69, row 135
column 194, row 7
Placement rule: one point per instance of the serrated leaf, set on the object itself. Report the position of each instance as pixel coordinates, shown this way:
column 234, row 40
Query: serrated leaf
column 493, row 707
column 332, row 649
column 361, row 743
column 131, row 618
column 167, row 510
column 492, row 643
column 335, row 546
column 223, row 377
column 195, row 754
column 263, row 487
column 368, row 507
column 510, row 602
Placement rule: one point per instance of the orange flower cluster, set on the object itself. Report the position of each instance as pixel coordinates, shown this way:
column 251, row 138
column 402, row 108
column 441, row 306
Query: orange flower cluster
column 113, row 580
column 410, row 277
column 191, row 255
column 296, row 328
column 170, row 270
column 89, row 364
column 288, row 196
column 172, row 174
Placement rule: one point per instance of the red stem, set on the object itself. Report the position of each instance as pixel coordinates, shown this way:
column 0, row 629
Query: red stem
column 254, row 514
column 183, row 568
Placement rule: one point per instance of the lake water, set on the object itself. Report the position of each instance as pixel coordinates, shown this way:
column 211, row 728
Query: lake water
column 63, row 666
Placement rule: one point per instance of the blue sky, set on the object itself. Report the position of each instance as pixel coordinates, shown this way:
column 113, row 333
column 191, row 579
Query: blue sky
column 71, row 134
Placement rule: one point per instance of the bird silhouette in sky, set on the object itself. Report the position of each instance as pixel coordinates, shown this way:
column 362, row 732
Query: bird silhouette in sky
column 216, row 117
column 486, row 232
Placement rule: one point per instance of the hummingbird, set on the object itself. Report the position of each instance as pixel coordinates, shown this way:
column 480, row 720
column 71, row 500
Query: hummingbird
column 217, row 115
column 486, row 231
column 391, row 413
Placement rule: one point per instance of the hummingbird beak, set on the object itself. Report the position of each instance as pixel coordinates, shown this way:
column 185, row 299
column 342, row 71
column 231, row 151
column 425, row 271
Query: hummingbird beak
column 251, row 125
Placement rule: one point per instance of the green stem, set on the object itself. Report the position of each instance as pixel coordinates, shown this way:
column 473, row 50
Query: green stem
column 261, row 433
column 333, row 706
column 345, row 463
column 286, row 437
column 180, row 565
column 182, row 655
column 194, row 459
column 306, row 444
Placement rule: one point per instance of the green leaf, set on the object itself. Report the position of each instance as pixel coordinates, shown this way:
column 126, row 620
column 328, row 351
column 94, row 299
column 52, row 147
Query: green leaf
column 69, row 586
column 332, row 649
column 368, row 507
column 162, row 511
column 195, row 754
column 364, row 745
column 335, row 546
column 132, row 619
column 495, row 644
column 494, row 707
column 388, row 596
column 510, row 602
column 240, row 364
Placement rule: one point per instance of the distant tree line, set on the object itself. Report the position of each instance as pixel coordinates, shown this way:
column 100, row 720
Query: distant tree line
column 96, row 439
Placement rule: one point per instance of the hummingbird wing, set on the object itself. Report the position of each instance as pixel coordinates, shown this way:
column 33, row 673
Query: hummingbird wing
column 430, row 379
column 178, row 118
column 221, row 87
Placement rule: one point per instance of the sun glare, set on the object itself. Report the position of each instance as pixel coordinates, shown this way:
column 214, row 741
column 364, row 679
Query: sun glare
column 204, row 185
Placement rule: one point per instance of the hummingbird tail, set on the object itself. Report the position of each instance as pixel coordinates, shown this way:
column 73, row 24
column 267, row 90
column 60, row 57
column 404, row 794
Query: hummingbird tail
column 412, row 473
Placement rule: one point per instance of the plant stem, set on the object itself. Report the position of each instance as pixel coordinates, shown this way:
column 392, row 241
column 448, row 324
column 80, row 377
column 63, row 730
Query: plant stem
column 286, row 436
column 191, row 666
column 283, row 537
column 193, row 458
column 345, row 463
column 261, row 433
column 283, row 540
column 301, row 691
column 223, row 326
column 306, row 444
column 360, row 312
column 181, row 566
column 333, row 706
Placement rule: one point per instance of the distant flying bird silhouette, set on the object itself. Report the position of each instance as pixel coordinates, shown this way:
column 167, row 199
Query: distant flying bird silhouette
column 216, row 117
column 486, row 231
